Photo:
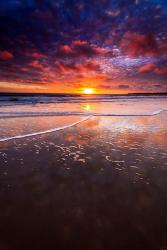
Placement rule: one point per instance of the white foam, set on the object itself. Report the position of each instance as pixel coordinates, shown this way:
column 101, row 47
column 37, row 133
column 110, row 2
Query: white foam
column 159, row 111
column 4, row 115
column 44, row 132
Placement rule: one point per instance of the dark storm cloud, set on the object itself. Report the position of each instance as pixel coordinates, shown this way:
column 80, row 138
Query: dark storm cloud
column 43, row 40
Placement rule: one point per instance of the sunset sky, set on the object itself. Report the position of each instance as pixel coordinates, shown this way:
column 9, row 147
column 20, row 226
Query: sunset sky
column 113, row 46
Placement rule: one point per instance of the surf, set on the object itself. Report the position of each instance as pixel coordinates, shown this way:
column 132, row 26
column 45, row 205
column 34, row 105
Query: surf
column 45, row 131
column 5, row 115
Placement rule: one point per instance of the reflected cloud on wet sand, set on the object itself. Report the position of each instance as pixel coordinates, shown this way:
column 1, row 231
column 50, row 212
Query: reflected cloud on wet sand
column 92, row 183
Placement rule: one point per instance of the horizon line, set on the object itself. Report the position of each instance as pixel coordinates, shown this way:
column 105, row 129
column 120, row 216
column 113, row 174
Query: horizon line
column 51, row 93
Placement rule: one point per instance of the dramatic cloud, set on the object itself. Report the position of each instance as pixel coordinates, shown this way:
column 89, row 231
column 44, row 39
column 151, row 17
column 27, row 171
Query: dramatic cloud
column 81, row 49
column 73, row 67
column 139, row 45
column 114, row 46
column 152, row 68
column 135, row 44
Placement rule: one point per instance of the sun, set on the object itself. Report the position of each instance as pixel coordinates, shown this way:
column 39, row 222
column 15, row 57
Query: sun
column 88, row 91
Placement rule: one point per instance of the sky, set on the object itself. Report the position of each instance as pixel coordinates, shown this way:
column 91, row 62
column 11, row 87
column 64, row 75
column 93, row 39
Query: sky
column 64, row 46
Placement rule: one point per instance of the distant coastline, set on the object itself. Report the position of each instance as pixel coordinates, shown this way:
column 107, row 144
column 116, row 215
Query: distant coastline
column 9, row 94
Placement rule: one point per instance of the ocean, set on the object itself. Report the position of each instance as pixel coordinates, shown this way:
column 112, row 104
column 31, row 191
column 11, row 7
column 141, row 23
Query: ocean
column 68, row 111
column 83, row 172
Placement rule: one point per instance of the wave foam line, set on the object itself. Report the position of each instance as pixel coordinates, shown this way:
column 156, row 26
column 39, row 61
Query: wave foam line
column 44, row 132
column 4, row 115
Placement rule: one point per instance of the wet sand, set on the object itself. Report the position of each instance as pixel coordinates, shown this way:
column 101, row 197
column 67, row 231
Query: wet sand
column 101, row 184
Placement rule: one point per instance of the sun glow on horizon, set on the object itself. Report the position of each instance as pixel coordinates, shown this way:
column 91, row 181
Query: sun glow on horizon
column 88, row 91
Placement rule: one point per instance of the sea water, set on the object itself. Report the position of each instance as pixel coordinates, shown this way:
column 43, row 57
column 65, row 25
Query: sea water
column 25, row 116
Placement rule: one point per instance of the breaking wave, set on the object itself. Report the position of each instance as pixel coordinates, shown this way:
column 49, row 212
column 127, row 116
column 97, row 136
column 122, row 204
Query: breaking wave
column 20, row 100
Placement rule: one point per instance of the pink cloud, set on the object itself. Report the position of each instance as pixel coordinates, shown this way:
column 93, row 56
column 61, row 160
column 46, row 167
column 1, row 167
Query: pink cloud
column 152, row 68
column 161, row 71
column 135, row 44
column 65, row 49
column 34, row 54
column 36, row 64
column 37, row 55
column 65, row 68
column 24, row 69
column 147, row 68
column 81, row 49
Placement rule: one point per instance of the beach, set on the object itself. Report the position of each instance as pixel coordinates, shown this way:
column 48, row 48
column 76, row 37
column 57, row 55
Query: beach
column 76, row 177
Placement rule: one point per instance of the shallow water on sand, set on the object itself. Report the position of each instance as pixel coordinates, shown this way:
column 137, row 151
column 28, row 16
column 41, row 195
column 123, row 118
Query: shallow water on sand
column 101, row 184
